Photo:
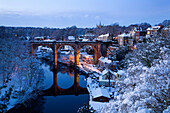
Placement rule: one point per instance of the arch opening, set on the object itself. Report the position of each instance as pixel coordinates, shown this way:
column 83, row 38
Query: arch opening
column 43, row 52
column 65, row 54
column 87, row 55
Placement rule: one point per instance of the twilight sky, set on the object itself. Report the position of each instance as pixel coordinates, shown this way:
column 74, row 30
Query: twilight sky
column 82, row 13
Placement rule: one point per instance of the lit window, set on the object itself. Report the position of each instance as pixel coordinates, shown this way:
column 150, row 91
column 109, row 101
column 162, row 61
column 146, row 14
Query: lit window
column 148, row 32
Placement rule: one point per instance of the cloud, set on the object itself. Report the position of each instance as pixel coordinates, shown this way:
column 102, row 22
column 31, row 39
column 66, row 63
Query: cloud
column 86, row 16
column 97, row 17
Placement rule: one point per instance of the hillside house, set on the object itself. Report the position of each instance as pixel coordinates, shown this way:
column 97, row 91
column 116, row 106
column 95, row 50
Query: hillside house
column 137, row 34
column 104, row 37
column 125, row 40
column 104, row 62
column 153, row 31
column 108, row 76
column 100, row 95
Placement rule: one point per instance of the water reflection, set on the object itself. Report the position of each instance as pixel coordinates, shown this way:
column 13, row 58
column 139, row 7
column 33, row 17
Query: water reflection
column 55, row 98
column 64, row 80
column 48, row 79
column 64, row 94
column 82, row 80
column 65, row 77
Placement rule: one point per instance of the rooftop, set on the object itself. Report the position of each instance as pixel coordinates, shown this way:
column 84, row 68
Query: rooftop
column 124, row 35
column 71, row 38
column 104, row 35
column 98, row 92
column 105, row 60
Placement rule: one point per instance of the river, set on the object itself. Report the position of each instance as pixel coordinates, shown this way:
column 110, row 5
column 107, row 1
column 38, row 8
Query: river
column 65, row 92
column 65, row 79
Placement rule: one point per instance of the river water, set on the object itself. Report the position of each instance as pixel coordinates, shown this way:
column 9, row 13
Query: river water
column 65, row 79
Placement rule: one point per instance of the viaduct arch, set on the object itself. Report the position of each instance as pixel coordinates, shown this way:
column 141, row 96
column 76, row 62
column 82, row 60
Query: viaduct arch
column 100, row 48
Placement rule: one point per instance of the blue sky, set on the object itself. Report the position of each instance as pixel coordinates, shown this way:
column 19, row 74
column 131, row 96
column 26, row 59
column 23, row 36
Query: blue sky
column 82, row 13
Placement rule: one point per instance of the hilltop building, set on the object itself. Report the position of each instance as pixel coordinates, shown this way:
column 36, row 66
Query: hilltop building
column 137, row 34
column 125, row 40
column 104, row 37
column 153, row 31
column 99, row 26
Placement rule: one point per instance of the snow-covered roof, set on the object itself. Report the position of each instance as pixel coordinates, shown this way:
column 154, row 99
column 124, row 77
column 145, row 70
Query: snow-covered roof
column 105, row 80
column 137, row 28
column 166, row 28
column 48, row 40
column 108, row 70
column 105, row 60
column 149, row 28
column 105, row 35
column 98, row 92
column 154, row 28
column 71, row 38
column 85, row 40
column 39, row 37
column 124, row 35
column 90, row 34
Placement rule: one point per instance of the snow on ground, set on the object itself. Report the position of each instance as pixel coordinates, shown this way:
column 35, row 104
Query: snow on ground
column 144, row 111
column 97, row 105
column 88, row 67
column 105, row 60
column 95, row 91
column 15, row 97
column 12, row 101
column 167, row 110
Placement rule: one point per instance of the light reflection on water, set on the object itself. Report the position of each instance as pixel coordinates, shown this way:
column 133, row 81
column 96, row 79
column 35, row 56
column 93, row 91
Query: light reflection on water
column 63, row 103
column 64, row 80
column 65, row 77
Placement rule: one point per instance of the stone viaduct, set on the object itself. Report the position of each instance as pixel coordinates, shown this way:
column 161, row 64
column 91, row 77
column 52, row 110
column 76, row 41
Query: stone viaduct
column 100, row 48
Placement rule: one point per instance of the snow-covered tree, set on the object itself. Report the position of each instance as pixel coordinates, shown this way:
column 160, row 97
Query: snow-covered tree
column 146, row 87
column 19, row 68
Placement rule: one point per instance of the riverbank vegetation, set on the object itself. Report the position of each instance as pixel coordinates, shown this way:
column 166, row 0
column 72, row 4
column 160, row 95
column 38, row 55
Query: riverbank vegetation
column 20, row 72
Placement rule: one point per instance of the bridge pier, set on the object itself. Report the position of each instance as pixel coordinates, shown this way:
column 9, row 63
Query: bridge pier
column 54, row 47
column 55, row 86
column 76, row 58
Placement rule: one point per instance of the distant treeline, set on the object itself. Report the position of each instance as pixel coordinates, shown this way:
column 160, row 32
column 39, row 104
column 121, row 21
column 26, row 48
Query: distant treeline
column 61, row 34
